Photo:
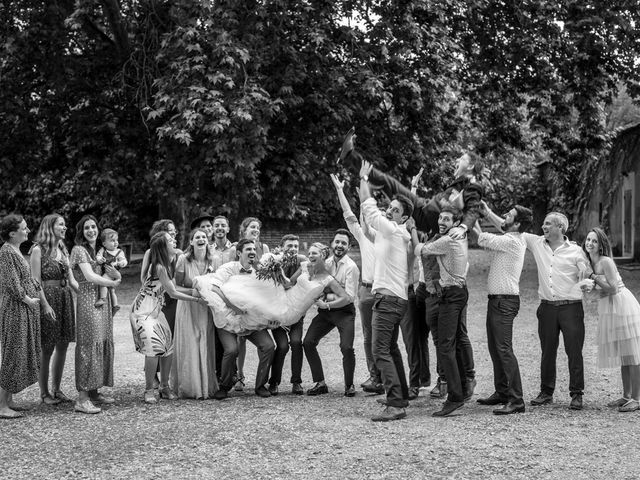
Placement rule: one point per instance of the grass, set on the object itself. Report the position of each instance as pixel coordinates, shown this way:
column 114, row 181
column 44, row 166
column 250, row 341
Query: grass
column 332, row 436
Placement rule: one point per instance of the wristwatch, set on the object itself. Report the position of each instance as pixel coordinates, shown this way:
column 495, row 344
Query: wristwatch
column 365, row 178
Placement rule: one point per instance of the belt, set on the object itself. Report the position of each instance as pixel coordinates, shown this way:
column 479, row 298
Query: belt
column 367, row 284
column 433, row 295
column 54, row 283
column 454, row 286
column 504, row 296
column 557, row 303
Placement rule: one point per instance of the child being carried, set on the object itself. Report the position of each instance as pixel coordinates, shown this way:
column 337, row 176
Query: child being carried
column 110, row 254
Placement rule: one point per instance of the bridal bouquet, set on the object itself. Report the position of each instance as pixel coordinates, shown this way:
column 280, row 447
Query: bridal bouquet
column 272, row 265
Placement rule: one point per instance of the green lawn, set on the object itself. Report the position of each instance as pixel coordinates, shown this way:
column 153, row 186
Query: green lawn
column 331, row 436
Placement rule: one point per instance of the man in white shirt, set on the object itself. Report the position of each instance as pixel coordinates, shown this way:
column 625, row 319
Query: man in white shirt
column 261, row 339
column 390, row 282
column 346, row 273
column 561, row 265
column 364, row 235
column 503, row 287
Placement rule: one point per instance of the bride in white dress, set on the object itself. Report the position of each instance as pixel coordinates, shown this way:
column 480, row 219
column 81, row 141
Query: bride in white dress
column 264, row 304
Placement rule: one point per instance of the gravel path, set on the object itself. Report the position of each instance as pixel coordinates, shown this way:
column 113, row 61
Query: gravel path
column 331, row 436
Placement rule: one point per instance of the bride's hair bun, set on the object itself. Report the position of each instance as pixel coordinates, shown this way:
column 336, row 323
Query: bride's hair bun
column 324, row 249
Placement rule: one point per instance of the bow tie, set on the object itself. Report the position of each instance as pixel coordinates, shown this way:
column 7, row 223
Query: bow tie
column 245, row 270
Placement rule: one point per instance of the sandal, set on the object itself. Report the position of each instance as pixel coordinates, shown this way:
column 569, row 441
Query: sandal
column 49, row 400
column 58, row 394
column 347, row 144
column 150, row 397
column 617, row 403
column 631, row 406
column 100, row 398
column 166, row 393
column 239, row 386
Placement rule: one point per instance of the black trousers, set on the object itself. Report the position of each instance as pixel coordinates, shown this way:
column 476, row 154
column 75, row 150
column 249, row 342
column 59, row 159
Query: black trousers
column 284, row 340
column 261, row 339
column 388, row 311
column 415, row 333
column 501, row 312
column 432, row 306
column 568, row 319
column 326, row 320
column 456, row 354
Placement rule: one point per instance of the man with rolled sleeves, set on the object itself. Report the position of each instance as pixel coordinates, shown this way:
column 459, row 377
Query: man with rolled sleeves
column 561, row 265
column 504, row 303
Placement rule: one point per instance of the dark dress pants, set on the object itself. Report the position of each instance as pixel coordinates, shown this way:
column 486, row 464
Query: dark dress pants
column 283, row 340
column 388, row 311
column 365, row 306
column 453, row 341
column 415, row 335
column 501, row 311
column 568, row 319
column 261, row 339
column 432, row 307
column 326, row 320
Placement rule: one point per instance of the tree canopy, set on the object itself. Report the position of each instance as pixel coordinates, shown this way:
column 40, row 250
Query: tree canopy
column 135, row 110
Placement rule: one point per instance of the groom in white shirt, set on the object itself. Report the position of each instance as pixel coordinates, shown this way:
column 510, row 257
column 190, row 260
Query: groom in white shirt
column 390, row 288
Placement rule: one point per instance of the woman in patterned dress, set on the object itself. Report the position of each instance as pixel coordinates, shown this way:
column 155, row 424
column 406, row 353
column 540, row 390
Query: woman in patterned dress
column 151, row 332
column 94, row 325
column 249, row 229
column 193, row 374
column 50, row 268
column 19, row 317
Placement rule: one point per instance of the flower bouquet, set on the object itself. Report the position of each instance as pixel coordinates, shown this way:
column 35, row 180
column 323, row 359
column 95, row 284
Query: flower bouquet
column 272, row 265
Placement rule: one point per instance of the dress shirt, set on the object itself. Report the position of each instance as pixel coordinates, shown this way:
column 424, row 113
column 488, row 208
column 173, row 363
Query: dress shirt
column 506, row 263
column 558, row 271
column 391, row 270
column 430, row 269
column 452, row 256
column 346, row 273
column 220, row 276
column 366, row 246
column 222, row 255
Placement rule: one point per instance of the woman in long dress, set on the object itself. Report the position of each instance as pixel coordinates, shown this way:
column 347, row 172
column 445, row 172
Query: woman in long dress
column 50, row 268
column 261, row 304
column 94, row 325
column 19, row 317
column 151, row 332
column 193, row 374
column 249, row 229
column 618, row 321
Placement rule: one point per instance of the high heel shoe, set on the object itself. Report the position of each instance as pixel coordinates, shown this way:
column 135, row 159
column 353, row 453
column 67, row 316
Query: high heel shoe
column 347, row 144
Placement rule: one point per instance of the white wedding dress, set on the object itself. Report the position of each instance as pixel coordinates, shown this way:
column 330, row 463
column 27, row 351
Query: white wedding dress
column 262, row 300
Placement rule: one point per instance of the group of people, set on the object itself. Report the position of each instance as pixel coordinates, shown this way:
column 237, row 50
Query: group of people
column 196, row 309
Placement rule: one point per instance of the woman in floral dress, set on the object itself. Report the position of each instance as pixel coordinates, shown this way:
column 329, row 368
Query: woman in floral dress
column 94, row 325
column 19, row 317
column 151, row 332
column 50, row 268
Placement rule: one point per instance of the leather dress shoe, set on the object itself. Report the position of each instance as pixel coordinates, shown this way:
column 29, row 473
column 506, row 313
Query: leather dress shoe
column 374, row 387
column 297, row 389
column 510, row 408
column 542, row 399
column 350, row 391
column 317, row 389
column 262, row 392
column 447, row 408
column 494, row 399
column 368, row 382
column 389, row 414
column 469, row 388
column 440, row 390
column 414, row 392
column 273, row 389
column 576, row 401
